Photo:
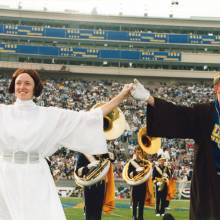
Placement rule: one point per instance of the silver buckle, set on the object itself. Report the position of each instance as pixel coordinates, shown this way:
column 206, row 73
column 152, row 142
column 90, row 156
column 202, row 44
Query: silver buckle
column 20, row 157
column 34, row 157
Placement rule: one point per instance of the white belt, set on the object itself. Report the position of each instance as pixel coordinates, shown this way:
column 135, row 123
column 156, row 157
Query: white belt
column 20, row 157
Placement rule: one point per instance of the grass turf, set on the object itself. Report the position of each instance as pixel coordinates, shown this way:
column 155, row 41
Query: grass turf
column 74, row 210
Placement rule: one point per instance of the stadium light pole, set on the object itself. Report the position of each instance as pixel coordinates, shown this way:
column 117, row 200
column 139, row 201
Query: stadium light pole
column 173, row 4
column 19, row 5
column 145, row 10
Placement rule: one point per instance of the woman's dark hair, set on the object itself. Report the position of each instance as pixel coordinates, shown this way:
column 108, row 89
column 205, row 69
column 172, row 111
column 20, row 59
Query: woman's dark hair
column 38, row 87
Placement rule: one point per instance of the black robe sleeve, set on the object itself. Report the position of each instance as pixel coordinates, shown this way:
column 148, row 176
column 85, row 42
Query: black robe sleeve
column 166, row 119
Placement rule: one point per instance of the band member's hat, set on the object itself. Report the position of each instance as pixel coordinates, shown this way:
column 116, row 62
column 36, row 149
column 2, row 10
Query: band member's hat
column 161, row 157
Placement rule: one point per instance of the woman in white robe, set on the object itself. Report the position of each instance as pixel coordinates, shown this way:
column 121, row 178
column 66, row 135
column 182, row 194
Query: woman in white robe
column 28, row 134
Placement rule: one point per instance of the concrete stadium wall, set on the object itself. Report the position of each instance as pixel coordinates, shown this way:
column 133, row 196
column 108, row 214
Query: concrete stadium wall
column 205, row 58
column 112, row 71
column 127, row 20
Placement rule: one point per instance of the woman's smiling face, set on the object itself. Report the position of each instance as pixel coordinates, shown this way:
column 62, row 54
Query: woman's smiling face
column 24, row 87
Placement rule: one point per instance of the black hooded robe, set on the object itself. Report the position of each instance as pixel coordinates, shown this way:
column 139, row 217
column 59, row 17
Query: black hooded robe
column 172, row 121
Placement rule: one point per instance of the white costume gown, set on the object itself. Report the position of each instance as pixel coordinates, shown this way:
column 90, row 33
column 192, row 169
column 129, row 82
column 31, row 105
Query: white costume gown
column 27, row 191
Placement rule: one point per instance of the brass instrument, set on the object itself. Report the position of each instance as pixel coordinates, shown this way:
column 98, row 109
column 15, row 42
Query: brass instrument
column 114, row 124
column 95, row 172
column 141, row 176
column 163, row 180
column 95, row 175
column 150, row 145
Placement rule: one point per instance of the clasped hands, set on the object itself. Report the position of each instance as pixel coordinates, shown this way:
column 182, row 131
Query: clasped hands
column 137, row 90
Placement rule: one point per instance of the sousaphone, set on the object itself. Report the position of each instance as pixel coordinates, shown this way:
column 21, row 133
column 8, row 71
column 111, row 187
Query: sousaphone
column 95, row 175
column 114, row 124
column 141, row 176
column 150, row 145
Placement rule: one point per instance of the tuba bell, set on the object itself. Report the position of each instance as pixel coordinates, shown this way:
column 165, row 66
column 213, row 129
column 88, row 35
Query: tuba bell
column 150, row 145
column 114, row 124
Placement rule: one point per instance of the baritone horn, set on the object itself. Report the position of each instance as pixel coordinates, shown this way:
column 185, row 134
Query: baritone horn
column 114, row 124
column 150, row 145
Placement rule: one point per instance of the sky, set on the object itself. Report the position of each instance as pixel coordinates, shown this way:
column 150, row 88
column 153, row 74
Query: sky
column 153, row 8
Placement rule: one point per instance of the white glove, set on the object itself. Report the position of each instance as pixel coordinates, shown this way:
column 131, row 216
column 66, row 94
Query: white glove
column 159, row 183
column 139, row 169
column 139, row 92
column 93, row 164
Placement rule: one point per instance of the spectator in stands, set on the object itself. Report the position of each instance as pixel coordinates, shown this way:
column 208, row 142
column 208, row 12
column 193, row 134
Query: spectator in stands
column 28, row 134
column 201, row 123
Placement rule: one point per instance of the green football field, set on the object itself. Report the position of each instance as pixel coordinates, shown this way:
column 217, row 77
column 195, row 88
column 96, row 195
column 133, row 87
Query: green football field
column 73, row 209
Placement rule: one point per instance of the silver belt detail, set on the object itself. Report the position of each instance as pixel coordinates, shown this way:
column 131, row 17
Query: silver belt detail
column 20, row 157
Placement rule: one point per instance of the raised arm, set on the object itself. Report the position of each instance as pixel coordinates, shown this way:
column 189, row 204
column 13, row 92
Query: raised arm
column 113, row 103
column 165, row 119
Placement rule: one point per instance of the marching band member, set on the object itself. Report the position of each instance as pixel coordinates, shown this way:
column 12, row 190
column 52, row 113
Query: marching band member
column 171, row 192
column 138, row 194
column 161, row 175
column 96, row 195
column 95, row 172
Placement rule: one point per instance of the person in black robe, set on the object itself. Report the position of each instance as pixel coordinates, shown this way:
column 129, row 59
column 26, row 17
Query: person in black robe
column 201, row 123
